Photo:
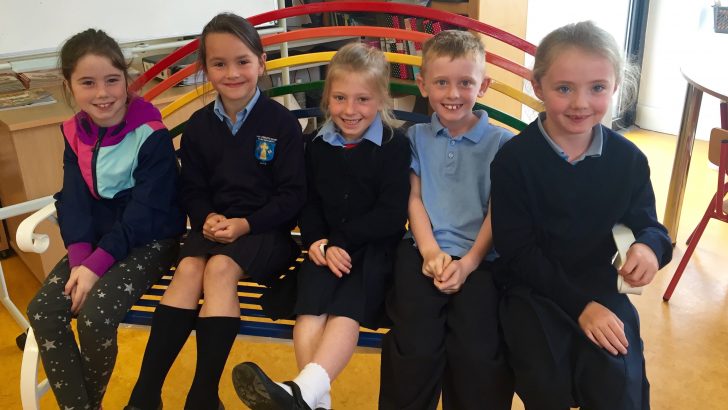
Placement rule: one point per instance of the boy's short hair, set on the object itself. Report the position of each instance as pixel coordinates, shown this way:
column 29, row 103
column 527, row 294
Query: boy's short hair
column 453, row 44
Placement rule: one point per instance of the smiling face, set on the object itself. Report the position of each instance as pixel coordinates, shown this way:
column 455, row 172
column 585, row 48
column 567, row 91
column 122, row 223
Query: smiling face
column 99, row 89
column 576, row 90
column 233, row 69
column 452, row 87
column 353, row 104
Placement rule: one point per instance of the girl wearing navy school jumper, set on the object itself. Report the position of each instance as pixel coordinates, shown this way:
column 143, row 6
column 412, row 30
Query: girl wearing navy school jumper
column 558, row 189
column 243, row 184
column 118, row 215
column 357, row 170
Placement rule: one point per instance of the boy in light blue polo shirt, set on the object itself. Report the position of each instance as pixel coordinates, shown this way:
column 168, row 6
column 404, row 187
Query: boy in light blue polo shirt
column 445, row 335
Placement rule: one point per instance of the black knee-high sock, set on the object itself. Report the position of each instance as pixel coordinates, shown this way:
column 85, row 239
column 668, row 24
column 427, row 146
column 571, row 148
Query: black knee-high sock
column 170, row 328
column 215, row 337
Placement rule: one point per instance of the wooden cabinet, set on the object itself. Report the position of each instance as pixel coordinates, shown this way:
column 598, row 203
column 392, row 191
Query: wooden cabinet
column 466, row 8
column 4, row 244
column 509, row 16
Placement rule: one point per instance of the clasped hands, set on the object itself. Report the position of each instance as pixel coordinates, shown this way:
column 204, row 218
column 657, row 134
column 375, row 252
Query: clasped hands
column 447, row 275
column 334, row 257
column 218, row 228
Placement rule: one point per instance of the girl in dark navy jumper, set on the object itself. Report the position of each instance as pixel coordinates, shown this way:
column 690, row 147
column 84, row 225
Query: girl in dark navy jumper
column 118, row 215
column 243, row 184
column 357, row 170
column 558, row 189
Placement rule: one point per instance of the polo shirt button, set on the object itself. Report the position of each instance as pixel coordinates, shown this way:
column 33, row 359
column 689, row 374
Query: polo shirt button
column 343, row 220
column 450, row 155
column 346, row 196
column 452, row 142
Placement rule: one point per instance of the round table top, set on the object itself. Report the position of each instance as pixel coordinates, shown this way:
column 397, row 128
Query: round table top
column 709, row 75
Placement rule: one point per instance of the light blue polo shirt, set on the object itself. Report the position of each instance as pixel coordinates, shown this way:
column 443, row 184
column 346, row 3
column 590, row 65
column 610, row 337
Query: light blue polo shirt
column 455, row 178
column 240, row 117
column 594, row 149
column 330, row 133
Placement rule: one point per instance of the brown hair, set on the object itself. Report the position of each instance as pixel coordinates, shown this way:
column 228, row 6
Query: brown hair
column 366, row 61
column 231, row 24
column 453, row 44
column 91, row 41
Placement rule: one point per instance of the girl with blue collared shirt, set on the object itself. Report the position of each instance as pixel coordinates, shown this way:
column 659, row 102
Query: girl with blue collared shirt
column 243, row 184
column 357, row 167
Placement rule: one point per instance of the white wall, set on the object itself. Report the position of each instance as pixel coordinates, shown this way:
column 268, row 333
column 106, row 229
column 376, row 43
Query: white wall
column 677, row 30
column 33, row 26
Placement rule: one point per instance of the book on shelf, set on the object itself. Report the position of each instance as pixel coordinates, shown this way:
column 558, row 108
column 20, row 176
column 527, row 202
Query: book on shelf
column 25, row 98
column 12, row 81
column 44, row 78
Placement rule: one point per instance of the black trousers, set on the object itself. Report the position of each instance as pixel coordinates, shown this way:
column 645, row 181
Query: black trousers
column 442, row 343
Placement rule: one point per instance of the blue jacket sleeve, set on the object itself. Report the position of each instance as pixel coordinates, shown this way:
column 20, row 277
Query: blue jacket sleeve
column 195, row 193
column 641, row 217
column 312, row 221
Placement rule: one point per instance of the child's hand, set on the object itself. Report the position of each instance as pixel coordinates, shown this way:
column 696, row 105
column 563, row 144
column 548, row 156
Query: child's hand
column 434, row 263
column 603, row 328
column 453, row 276
column 338, row 260
column 212, row 220
column 228, row 230
column 641, row 265
column 79, row 284
column 315, row 254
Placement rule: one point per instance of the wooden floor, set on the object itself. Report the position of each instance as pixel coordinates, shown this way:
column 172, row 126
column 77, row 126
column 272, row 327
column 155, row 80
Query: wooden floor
column 686, row 341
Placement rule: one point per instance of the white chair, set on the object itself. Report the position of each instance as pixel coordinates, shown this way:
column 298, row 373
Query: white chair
column 9, row 212
column 30, row 389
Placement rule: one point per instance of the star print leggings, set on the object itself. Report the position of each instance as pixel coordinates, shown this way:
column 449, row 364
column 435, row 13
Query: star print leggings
column 77, row 374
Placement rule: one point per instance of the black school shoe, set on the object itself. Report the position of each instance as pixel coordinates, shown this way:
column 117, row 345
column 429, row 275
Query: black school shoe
column 259, row 392
column 300, row 403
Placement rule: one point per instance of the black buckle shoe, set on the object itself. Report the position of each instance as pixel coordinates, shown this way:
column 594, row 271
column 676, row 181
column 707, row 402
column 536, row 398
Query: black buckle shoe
column 258, row 391
column 300, row 403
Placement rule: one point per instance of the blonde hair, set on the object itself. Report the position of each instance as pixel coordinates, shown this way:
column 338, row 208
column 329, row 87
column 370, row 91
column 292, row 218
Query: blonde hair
column 589, row 37
column 453, row 44
column 366, row 61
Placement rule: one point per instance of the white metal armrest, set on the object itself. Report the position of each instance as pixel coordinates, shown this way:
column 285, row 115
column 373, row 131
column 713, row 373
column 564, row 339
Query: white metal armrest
column 9, row 212
column 26, row 238
column 623, row 238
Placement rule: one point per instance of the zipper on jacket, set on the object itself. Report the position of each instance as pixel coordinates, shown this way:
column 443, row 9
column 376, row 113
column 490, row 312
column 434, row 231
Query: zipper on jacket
column 102, row 132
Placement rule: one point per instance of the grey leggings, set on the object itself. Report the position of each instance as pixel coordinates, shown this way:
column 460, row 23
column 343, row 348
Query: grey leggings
column 77, row 374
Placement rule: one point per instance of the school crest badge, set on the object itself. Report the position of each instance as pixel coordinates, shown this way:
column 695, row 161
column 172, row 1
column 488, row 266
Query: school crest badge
column 265, row 148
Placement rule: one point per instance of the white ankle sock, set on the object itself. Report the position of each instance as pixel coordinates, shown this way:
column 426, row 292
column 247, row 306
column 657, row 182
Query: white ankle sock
column 314, row 382
column 286, row 387
column 324, row 402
